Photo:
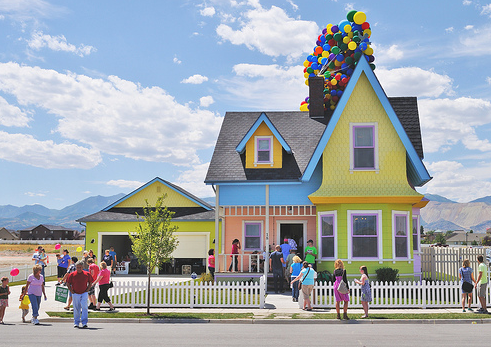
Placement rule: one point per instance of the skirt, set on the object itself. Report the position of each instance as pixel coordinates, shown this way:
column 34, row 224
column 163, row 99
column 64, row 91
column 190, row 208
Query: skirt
column 338, row 295
column 4, row 302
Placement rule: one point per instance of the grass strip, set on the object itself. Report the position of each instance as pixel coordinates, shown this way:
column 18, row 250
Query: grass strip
column 161, row 315
column 23, row 282
column 382, row 316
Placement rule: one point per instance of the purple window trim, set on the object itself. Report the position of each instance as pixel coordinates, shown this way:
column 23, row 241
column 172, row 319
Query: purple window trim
column 356, row 147
column 415, row 232
column 401, row 236
column 260, row 235
column 363, row 236
column 330, row 236
column 263, row 150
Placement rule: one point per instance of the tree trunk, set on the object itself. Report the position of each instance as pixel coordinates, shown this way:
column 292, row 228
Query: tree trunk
column 148, row 292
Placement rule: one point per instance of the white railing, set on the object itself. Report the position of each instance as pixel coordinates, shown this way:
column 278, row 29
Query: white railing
column 189, row 294
column 246, row 262
column 26, row 270
column 398, row 295
column 274, row 211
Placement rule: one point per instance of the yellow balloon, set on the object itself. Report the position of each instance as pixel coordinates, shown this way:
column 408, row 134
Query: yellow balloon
column 320, row 58
column 352, row 45
column 368, row 51
column 346, row 39
column 332, row 107
column 307, row 82
column 328, row 28
column 338, row 63
column 360, row 17
column 306, row 75
column 334, row 81
column 325, row 54
column 350, row 34
column 367, row 32
column 306, row 63
column 79, row 249
column 347, row 28
column 304, row 107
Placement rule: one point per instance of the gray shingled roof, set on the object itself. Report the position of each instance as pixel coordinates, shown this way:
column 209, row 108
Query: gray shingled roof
column 126, row 217
column 300, row 132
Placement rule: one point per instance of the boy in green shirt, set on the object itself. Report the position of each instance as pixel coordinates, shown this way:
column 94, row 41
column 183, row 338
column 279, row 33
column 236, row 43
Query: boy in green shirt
column 311, row 254
column 482, row 284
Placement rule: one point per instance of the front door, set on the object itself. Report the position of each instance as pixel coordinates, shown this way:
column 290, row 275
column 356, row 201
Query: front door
column 293, row 231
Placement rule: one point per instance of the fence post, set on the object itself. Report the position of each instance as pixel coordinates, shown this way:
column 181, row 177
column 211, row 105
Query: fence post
column 433, row 264
column 192, row 294
column 262, row 292
column 132, row 294
column 423, row 292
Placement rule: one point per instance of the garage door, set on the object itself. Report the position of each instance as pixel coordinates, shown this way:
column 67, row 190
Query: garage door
column 191, row 246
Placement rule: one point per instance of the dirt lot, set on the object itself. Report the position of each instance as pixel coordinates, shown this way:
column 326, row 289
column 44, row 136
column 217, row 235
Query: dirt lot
column 19, row 255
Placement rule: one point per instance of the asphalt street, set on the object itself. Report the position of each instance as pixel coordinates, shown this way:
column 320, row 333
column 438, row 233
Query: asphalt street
column 238, row 335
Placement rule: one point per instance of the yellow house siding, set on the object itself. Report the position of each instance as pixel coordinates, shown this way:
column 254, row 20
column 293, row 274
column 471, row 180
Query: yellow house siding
column 263, row 130
column 390, row 180
column 152, row 192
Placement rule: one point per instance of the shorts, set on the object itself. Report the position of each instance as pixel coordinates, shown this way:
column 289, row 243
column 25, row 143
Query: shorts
column 4, row 302
column 307, row 290
column 91, row 291
column 481, row 290
column 61, row 271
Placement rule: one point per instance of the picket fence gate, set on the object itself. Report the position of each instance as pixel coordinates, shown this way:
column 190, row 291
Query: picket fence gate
column 421, row 294
column 189, row 294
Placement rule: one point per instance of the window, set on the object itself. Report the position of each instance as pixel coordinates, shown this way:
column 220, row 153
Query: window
column 252, row 236
column 264, row 150
column 415, row 233
column 327, row 235
column 364, row 153
column 400, row 227
column 365, row 234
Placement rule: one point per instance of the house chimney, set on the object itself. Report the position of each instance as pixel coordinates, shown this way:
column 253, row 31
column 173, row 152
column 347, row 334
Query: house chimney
column 316, row 97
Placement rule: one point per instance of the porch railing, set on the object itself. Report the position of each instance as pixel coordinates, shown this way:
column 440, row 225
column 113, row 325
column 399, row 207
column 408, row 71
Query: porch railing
column 247, row 262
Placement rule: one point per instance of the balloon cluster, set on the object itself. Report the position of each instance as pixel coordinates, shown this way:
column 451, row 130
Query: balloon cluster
column 338, row 49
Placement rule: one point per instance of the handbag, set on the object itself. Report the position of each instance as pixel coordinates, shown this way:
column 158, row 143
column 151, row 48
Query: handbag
column 111, row 284
column 343, row 287
column 466, row 286
column 300, row 282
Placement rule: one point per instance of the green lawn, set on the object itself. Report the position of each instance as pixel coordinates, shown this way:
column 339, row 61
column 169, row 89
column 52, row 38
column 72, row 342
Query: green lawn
column 173, row 315
column 21, row 283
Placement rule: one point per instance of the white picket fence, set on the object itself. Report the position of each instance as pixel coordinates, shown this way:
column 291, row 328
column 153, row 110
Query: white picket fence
column 422, row 294
column 26, row 270
column 189, row 294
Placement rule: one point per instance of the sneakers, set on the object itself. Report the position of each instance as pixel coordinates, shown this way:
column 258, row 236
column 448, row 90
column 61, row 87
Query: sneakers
column 35, row 321
column 463, row 310
column 112, row 309
column 75, row 326
column 91, row 306
column 85, row 326
column 470, row 309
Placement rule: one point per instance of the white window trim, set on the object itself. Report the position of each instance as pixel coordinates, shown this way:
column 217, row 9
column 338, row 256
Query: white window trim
column 418, row 232
column 335, row 233
column 352, row 143
column 379, row 234
column 261, row 239
column 406, row 213
column 271, row 160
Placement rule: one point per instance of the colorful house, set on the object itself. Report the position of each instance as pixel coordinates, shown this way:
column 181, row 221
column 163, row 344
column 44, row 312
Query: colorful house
column 194, row 217
column 343, row 178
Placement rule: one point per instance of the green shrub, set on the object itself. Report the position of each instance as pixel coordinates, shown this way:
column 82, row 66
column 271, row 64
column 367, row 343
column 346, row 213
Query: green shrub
column 205, row 277
column 387, row 274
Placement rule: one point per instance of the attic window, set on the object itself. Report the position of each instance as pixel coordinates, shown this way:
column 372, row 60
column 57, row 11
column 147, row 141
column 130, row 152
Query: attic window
column 364, row 146
column 264, row 150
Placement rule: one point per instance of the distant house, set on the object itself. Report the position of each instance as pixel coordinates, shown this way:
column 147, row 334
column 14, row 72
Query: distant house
column 460, row 237
column 7, row 235
column 48, row 232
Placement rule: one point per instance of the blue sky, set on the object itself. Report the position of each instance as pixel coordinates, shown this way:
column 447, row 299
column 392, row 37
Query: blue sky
column 99, row 97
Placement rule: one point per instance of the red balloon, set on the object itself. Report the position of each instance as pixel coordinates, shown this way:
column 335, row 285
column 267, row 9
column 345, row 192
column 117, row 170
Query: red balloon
column 365, row 25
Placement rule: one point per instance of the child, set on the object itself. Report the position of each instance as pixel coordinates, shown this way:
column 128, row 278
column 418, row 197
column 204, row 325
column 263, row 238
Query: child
column 211, row 262
column 4, row 297
column 235, row 256
column 24, row 303
column 366, row 293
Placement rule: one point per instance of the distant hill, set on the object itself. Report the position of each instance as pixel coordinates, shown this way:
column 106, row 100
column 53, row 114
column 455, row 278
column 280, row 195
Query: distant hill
column 13, row 217
column 443, row 225
column 486, row 200
column 437, row 198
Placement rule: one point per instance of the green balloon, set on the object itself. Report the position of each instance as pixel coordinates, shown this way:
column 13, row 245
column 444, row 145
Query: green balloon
column 338, row 36
column 310, row 70
column 335, row 50
column 356, row 39
column 332, row 65
column 350, row 15
column 343, row 46
column 328, row 37
column 349, row 60
column 357, row 56
column 372, row 66
column 327, row 74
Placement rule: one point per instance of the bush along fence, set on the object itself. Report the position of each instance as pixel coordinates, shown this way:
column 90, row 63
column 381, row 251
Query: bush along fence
column 189, row 294
column 424, row 294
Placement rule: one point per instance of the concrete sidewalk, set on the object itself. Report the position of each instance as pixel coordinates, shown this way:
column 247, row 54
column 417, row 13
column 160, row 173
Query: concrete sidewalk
column 278, row 307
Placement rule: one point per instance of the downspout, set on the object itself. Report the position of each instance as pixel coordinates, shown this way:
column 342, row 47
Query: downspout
column 266, row 246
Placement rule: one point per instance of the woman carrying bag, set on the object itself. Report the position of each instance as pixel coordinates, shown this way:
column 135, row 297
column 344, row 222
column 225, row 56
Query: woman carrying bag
column 341, row 289
column 307, row 275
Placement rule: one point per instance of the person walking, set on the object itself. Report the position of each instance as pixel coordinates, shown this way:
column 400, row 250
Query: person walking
column 211, row 262
column 482, row 284
column 4, row 297
column 108, row 259
column 63, row 263
column 24, row 303
column 276, row 262
column 35, row 288
column 307, row 276
column 340, row 274
column 104, row 280
column 94, row 272
column 366, row 293
column 285, row 249
column 235, row 255
column 79, row 283
column 295, row 269
column 85, row 258
column 113, row 254
column 466, row 279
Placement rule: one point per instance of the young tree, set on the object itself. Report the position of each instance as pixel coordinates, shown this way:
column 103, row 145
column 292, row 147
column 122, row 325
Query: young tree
column 154, row 239
column 440, row 238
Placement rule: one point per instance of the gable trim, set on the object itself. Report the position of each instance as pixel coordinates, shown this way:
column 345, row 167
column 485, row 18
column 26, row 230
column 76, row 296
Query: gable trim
column 262, row 118
column 417, row 171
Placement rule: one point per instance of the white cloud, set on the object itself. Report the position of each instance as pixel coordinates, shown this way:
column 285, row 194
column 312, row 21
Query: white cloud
column 468, row 46
column 57, row 43
column 12, row 116
column 176, row 60
column 387, row 55
column 449, row 30
column 414, row 81
column 32, row 194
column 486, row 10
column 195, row 79
column 266, row 87
column 192, row 180
column 272, row 32
column 293, row 5
column 349, row 6
column 25, row 149
column 125, row 184
column 466, row 2
column 208, row 11
column 23, row 10
column 488, row 80
column 114, row 116
column 469, row 27
column 206, row 101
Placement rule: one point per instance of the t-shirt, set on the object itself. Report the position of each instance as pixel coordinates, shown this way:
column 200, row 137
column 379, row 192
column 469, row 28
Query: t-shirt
column 113, row 254
column 484, row 269
column 292, row 243
column 308, row 276
column 466, row 274
column 79, row 281
column 4, row 290
column 107, row 259
column 63, row 261
column 71, row 269
column 211, row 261
column 276, row 263
column 35, row 285
column 296, row 268
column 289, row 260
column 94, row 270
column 37, row 258
column 106, row 276
column 235, row 248
column 310, row 253
column 285, row 249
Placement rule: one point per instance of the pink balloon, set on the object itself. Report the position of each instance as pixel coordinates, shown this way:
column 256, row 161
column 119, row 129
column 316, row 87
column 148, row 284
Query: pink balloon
column 14, row 272
column 57, row 246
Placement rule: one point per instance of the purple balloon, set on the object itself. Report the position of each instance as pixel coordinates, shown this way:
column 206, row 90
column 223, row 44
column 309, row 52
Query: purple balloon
column 307, row 99
column 324, row 31
column 334, row 29
column 332, row 56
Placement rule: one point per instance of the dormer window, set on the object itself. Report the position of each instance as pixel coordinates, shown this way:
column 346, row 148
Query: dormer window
column 264, row 150
column 364, row 146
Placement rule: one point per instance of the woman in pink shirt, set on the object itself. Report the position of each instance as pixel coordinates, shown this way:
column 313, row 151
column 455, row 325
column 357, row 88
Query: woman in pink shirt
column 35, row 288
column 211, row 262
column 103, row 279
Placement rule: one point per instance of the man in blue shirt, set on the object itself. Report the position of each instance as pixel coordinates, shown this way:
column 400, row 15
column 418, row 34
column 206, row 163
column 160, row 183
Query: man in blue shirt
column 112, row 253
column 285, row 249
column 63, row 263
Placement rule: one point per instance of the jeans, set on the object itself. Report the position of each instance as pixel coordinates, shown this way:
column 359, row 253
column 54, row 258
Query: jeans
column 42, row 273
column 80, row 308
column 295, row 289
column 278, row 280
column 234, row 263
column 35, row 303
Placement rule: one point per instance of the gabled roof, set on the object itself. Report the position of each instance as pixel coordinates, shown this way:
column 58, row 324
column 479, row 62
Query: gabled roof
column 263, row 118
column 174, row 187
column 417, row 172
column 49, row 227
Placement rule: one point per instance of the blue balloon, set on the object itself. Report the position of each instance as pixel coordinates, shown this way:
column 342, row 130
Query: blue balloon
column 326, row 47
column 312, row 75
column 342, row 24
column 339, row 93
column 340, row 57
column 323, row 39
